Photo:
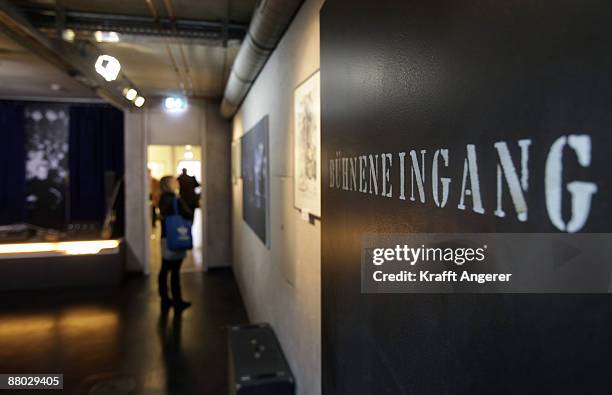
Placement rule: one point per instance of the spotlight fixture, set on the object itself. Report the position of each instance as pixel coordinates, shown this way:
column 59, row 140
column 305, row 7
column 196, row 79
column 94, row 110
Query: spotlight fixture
column 106, row 37
column 68, row 35
column 175, row 103
column 139, row 101
column 130, row 93
column 108, row 67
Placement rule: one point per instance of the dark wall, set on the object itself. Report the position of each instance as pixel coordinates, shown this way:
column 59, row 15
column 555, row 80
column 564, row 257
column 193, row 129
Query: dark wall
column 96, row 160
column 12, row 150
column 436, row 74
column 59, row 163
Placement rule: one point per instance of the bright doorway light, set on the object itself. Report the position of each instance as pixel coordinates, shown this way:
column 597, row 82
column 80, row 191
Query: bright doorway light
column 158, row 169
column 194, row 168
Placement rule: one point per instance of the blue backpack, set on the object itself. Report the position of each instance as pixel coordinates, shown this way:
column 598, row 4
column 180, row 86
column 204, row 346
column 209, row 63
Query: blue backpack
column 178, row 230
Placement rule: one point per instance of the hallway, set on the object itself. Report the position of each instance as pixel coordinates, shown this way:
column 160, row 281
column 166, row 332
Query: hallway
column 114, row 340
column 360, row 197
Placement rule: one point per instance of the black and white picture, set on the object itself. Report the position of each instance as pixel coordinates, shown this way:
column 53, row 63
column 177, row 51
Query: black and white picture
column 307, row 145
column 46, row 126
column 236, row 171
column 255, row 175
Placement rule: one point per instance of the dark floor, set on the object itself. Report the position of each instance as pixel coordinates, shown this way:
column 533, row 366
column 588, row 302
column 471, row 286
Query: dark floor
column 116, row 341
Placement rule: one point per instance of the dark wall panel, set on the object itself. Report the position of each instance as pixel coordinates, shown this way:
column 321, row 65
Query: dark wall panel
column 255, row 175
column 46, row 128
column 437, row 74
column 96, row 159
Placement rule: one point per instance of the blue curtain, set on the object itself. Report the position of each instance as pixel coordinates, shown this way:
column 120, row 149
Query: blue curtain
column 96, row 147
column 12, row 163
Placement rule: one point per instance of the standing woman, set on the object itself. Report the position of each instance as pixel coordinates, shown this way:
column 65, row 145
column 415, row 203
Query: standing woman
column 171, row 259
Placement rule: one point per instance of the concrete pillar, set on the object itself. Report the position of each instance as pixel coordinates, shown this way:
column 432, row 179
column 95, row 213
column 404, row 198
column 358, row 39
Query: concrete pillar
column 217, row 188
column 136, row 193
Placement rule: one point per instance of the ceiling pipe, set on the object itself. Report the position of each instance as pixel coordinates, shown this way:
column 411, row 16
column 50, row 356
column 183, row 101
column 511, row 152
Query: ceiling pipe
column 270, row 20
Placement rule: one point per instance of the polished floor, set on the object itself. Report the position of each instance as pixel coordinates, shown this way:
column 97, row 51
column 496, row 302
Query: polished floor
column 117, row 341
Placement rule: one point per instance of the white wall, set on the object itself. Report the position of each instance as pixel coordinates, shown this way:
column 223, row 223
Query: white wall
column 282, row 285
column 176, row 128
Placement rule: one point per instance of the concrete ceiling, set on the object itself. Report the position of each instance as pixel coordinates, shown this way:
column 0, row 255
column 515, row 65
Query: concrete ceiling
column 155, row 65
column 23, row 74
column 235, row 10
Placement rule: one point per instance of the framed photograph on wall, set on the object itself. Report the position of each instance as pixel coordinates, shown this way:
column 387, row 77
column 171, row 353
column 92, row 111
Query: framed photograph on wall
column 255, row 180
column 236, row 173
column 307, row 145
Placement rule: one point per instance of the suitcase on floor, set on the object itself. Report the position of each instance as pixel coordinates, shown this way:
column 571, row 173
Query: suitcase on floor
column 257, row 365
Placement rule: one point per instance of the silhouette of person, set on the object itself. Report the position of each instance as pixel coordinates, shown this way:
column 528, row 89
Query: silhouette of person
column 171, row 259
column 188, row 185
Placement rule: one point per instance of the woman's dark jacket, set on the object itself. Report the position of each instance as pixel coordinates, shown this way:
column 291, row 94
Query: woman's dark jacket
column 166, row 208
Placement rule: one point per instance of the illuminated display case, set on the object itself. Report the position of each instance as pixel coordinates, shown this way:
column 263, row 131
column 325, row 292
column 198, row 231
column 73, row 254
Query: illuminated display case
column 32, row 257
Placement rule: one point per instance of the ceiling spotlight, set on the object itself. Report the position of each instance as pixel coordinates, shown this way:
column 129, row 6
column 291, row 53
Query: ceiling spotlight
column 175, row 103
column 130, row 93
column 108, row 67
column 106, row 37
column 68, row 35
column 139, row 101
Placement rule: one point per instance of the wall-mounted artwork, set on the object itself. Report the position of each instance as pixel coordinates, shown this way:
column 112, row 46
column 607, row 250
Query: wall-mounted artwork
column 46, row 128
column 307, row 145
column 236, row 171
column 255, row 176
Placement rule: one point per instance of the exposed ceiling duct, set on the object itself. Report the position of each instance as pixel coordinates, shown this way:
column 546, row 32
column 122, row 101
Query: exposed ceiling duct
column 270, row 20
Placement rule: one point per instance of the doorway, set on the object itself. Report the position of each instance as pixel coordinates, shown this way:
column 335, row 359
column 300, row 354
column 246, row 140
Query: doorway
column 170, row 160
